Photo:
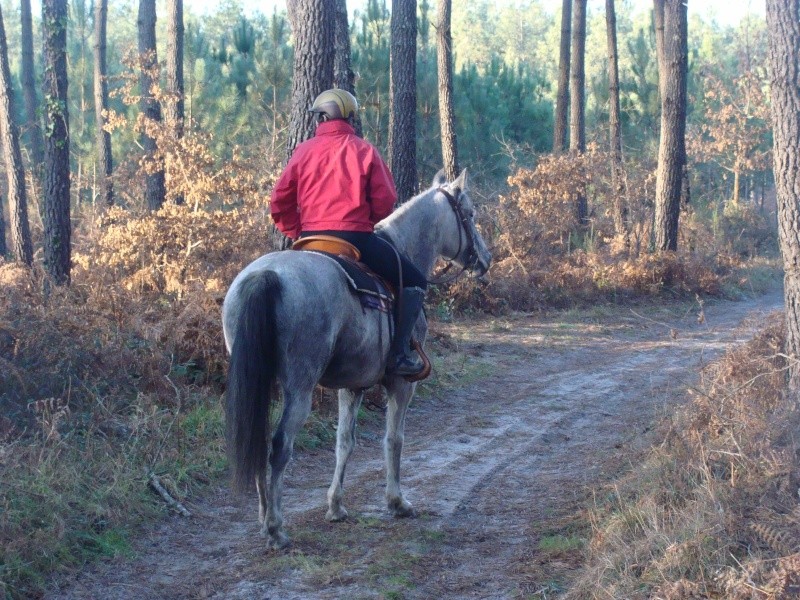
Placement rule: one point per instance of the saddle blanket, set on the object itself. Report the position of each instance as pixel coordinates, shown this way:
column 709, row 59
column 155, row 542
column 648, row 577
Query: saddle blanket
column 371, row 289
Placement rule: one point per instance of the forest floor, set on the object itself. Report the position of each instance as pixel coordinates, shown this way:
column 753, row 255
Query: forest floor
column 530, row 418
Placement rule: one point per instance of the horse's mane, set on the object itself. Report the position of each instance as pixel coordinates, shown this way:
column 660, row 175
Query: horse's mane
column 384, row 226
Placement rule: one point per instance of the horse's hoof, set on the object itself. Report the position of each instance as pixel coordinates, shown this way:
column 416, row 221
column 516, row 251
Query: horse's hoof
column 402, row 509
column 334, row 516
column 278, row 541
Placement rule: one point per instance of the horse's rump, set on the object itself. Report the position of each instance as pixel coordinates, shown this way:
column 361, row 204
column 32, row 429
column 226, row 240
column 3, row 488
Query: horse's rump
column 321, row 322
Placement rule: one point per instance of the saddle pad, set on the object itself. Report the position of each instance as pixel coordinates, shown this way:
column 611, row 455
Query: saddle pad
column 370, row 288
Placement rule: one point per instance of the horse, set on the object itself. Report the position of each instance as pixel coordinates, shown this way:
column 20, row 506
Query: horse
column 289, row 318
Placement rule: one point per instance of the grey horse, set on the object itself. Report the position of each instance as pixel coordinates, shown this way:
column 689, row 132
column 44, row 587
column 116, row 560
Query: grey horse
column 290, row 318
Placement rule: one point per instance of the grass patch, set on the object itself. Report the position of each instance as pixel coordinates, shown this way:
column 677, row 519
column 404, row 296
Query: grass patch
column 453, row 369
column 757, row 276
column 393, row 572
column 76, row 491
column 559, row 544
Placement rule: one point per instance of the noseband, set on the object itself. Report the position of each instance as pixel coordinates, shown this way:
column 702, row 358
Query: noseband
column 463, row 225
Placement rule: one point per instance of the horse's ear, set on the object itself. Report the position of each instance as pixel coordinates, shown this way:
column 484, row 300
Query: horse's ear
column 461, row 182
column 439, row 179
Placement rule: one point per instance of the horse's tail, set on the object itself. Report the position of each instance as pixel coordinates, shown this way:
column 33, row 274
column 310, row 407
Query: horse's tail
column 251, row 373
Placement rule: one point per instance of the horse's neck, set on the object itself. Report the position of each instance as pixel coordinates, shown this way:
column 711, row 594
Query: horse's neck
column 417, row 229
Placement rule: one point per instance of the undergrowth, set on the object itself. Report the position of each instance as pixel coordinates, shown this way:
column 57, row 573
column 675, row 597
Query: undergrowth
column 713, row 511
column 541, row 259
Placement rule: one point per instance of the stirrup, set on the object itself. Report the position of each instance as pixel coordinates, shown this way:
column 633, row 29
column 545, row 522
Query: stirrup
column 409, row 372
column 408, row 366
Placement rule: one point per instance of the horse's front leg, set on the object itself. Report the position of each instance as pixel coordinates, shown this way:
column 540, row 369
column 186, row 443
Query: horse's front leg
column 296, row 408
column 349, row 402
column 399, row 393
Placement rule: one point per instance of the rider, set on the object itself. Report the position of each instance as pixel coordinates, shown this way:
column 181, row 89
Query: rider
column 337, row 184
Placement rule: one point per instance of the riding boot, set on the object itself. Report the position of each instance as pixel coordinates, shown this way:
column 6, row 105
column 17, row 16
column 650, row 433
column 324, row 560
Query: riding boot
column 402, row 359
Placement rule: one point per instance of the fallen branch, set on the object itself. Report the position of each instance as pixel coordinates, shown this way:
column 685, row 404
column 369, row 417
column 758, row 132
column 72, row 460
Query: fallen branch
column 155, row 483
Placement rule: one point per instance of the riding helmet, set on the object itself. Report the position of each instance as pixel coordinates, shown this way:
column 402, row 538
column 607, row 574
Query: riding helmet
column 336, row 104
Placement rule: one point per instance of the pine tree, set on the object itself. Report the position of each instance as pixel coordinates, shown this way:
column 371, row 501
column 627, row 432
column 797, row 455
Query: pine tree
column 155, row 188
column 444, row 44
column 103, row 138
column 175, row 87
column 577, row 121
column 57, row 228
column 312, row 25
column 403, row 98
column 615, row 127
column 562, row 96
column 28, row 79
column 343, row 76
column 672, row 146
column 783, row 24
column 18, row 202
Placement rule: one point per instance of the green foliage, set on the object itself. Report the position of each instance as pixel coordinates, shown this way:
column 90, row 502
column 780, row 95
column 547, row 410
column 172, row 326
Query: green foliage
column 239, row 74
column 501, row 111
column 370, row 56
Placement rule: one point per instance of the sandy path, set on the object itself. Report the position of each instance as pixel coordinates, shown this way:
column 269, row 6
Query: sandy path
column 500, row 469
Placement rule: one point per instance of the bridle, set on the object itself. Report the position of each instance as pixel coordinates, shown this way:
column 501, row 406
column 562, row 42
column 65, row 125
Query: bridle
column 464, row 226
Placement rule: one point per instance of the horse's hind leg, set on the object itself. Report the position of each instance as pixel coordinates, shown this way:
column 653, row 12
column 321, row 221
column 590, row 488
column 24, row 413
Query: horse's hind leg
column 296, row 408
column 349, row 402
column 399, row 394
column 261, row 488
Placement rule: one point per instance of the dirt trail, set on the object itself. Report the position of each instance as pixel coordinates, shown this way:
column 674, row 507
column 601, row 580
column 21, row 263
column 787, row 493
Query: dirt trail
column 500, row 469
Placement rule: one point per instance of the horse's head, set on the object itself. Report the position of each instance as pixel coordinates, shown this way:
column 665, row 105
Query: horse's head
column 465, row 246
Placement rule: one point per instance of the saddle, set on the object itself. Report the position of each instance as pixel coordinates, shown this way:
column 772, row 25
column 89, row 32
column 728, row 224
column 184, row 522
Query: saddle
column 373, row 291
column 329, row 244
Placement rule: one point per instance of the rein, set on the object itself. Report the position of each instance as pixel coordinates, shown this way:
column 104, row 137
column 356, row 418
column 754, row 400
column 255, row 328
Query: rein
column 472, row 256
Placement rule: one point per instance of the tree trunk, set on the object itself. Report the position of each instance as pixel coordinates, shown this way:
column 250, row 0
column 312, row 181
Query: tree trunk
column 783, row 25
column 27, row 76
column 17, row 199
column 403, row 98
column 447, row 117
column 3, row 245
column 175, row 87
column 562, row 97
column 577, row 121
column 672, row 146
column 312, row 25
column 175, row 33
column 78, row 30
column 615, row 129
column 155, row 188
column 658, row 19
column 103, row 138
column 57, row 229
column 343, row 76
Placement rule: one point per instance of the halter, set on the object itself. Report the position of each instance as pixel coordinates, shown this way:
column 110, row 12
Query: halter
column 472, row 255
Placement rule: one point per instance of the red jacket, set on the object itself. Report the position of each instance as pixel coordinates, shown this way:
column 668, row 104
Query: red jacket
column 334, row 181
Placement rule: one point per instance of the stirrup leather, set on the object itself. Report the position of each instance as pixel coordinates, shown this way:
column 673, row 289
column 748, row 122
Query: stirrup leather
column 426, row 369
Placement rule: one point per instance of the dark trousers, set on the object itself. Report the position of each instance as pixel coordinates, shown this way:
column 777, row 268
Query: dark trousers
column 380, row 256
